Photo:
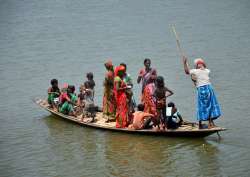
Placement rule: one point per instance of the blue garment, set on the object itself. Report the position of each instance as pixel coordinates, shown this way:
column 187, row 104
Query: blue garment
column 208, row 106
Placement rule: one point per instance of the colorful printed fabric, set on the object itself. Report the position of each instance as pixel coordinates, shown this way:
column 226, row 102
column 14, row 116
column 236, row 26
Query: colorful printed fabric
column 51, row 97
column 121, row 103
column 67, row 107
column 146, row 76
column 108, row 101
column 55, row 94
column 208, row 106
column 149, row 100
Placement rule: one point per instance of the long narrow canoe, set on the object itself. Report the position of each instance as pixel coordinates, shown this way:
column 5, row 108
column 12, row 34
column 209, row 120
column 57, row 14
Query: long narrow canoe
column 186, row 130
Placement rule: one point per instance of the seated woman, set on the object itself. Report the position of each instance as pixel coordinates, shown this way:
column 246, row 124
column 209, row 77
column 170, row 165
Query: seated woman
column 174, row 118
column 53, row 94
column 67, row 101
column 141, row 119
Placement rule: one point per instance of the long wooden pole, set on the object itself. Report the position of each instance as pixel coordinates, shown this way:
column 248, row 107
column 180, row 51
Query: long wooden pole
column 178, row 41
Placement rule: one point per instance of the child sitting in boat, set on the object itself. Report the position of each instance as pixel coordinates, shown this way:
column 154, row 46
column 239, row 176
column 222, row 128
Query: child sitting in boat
column 67, row 101
column 173, row 117
column 141, row 120
column 53, row 94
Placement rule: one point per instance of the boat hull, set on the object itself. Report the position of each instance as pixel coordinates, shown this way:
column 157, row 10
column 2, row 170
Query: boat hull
column 188, row 130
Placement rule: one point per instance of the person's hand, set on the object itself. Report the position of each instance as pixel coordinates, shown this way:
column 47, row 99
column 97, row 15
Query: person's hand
column 193, row 77
column 184, row 58
column 141, row 73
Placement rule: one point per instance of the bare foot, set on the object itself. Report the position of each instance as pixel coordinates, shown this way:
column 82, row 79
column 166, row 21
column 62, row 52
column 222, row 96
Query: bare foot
column 210, row 126
column 156, row 128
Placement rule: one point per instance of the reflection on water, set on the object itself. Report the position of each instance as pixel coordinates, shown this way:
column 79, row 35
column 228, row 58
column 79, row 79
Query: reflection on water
column 119, row 154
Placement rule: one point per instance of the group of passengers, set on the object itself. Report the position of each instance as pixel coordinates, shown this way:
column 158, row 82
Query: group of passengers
column 119, row 103
column 67, row 102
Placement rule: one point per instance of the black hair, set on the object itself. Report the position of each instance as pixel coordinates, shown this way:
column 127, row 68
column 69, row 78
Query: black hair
column 54, row 81
column 123, row 64
column 160, row 81
column 90, row 75
column 71, row 88
column 147, row 59
column 171, row 104
column 140, row 107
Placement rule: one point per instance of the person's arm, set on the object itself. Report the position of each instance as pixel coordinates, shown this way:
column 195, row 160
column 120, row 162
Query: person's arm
column 130, row 81
column 168, row 92
column 154, row 73
column 186, row 66
column 120, row 87
column 79, row 101
column 69, row 100
column 140, row 76
column 180, row 117
column 139, row 79
column 49, row 90
column 145, row 114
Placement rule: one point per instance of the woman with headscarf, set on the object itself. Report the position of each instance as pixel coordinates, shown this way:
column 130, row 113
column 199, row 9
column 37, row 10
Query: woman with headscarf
column 108, row 96
column 208, row 106
column 121, row 99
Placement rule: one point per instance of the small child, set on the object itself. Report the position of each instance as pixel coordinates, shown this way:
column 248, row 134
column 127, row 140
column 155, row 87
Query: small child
column 161, row 93
column 81, row 96
column 141, row 119
column 173, row 117
column 91, row 81
column 53, row 94
column 87, row 98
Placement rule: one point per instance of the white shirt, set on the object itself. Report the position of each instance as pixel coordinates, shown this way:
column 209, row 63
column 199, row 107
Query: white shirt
column 202, row 76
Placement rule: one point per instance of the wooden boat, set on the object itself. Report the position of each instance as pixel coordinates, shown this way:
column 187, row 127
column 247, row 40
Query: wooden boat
column 189, row 129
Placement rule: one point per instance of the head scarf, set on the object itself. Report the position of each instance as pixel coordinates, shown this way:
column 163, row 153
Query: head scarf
column 199, row 61
column 119, row 69
column 109, row 63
